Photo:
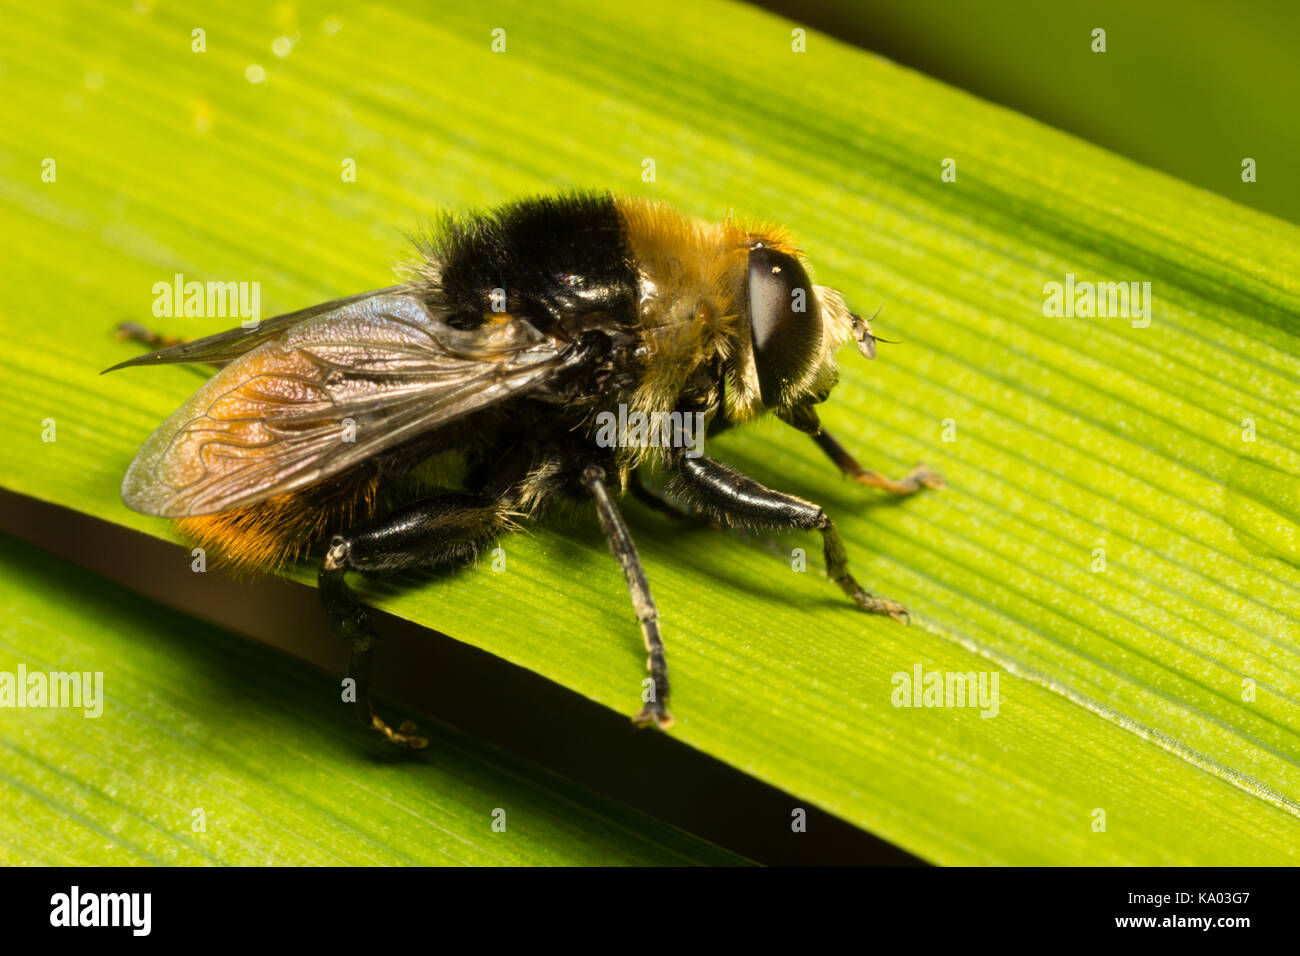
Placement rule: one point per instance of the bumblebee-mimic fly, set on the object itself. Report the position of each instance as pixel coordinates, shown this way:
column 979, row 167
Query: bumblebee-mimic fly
column 512, row 333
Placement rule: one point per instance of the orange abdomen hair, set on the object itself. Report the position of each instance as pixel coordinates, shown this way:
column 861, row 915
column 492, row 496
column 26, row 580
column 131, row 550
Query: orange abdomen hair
column 262, row 537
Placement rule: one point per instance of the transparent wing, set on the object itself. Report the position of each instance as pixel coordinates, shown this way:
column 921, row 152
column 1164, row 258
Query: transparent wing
column 327, row 393
column 228, row 345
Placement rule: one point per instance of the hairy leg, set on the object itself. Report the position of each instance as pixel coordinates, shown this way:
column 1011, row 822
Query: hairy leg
column 653, row 500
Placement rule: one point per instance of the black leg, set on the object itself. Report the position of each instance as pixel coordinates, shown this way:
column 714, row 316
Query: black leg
column 806, row 420
column 620, row 542
column 732, row 498
column 427, row 534
column 649, row 498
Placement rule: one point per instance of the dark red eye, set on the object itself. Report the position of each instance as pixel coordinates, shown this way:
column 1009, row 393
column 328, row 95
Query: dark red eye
column 784, row 321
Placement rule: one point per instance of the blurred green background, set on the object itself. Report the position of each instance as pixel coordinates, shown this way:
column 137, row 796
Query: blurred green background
column 1190, row 87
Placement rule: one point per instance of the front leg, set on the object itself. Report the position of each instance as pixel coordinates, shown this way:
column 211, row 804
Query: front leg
column 732, row 498
column 805, row 419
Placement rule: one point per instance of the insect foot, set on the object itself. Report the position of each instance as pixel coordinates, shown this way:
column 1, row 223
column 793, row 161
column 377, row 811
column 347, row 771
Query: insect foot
column 922, row 476
column 875, row 605
column 403, row 736
column 837, row 569
column 654, row 712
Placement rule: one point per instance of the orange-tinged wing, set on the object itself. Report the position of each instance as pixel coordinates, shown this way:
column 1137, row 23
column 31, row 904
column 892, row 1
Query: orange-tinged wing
column 327, row 393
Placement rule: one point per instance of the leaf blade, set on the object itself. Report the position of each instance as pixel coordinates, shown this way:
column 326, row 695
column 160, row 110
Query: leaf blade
column 1071, row 434
column 194, row 720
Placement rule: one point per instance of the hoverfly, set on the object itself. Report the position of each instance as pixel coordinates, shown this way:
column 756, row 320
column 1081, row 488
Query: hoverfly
column 511, row 333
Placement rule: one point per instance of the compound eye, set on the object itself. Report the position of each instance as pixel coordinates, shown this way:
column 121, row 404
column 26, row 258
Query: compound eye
column 784, row 321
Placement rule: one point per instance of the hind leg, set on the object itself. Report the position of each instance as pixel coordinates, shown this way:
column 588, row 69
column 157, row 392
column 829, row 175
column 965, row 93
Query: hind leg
column 156, row 341
column 135, row 332
column 431, row 533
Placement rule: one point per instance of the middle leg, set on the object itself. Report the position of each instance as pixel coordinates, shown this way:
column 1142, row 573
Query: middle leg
column 655, row 709
column 646, row 496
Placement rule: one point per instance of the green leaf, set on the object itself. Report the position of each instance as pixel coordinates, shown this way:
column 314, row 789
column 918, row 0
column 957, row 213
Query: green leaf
column 1161, row 692
column 211, row 750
